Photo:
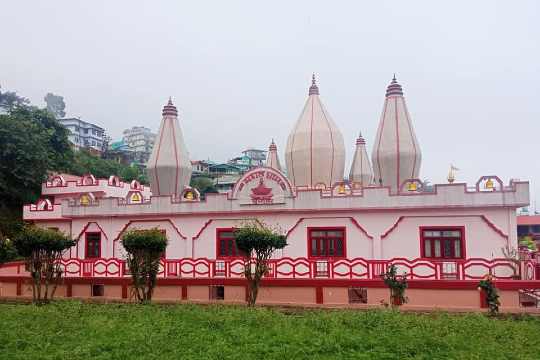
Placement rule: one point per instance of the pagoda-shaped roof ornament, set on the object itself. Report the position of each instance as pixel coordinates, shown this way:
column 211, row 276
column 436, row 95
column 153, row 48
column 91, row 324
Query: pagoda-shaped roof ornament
column 394, row 88
column 170, row 109
column 313, row 89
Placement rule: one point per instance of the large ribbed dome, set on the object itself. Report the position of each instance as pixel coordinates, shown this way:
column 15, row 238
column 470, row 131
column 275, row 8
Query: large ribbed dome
column 315, row 153
column 396, row 153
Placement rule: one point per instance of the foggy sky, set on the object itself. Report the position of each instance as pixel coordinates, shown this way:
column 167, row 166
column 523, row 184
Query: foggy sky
column 239, row 72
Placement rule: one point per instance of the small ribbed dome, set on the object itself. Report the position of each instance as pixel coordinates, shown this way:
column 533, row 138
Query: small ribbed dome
column 272, row 159
column 361, row 174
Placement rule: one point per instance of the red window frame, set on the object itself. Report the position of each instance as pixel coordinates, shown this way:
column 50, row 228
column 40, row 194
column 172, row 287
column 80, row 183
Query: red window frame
column 325, row 244
column 442, row 239
column 230, row 245
column 93, row 246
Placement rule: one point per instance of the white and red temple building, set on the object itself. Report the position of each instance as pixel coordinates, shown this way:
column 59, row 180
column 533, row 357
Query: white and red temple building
column 342, row 233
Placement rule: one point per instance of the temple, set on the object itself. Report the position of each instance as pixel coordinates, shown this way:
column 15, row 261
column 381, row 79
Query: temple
column 342, row 233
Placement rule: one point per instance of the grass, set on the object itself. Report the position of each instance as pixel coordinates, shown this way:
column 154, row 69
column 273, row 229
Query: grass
column 73, row 330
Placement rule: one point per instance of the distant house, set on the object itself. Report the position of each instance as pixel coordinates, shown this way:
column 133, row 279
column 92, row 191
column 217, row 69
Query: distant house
column 529, row 225
column 251, row 158
column 224, row 169
column 120, row 152
column 200, row 167
column 258, row 157
column 83, row 134
column 140, row 141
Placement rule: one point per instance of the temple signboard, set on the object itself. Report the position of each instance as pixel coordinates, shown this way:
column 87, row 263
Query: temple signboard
column 262, row 186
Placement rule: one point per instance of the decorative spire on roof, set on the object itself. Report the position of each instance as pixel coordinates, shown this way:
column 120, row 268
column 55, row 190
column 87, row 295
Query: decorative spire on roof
column 272, row 146
column 360, row 140
column 170, row 109
column 313, row 89
column 361, row 174
column 272, row 158
column 394, row 88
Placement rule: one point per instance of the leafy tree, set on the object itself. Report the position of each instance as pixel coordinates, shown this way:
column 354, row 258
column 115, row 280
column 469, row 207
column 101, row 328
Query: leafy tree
column 397, row 284
column 144, row 251
column 84, row 162
column 257, row 243
column 56, row 105
column 42, row 250
column 7, row 250
column 33, row 142
column 129, row 173
column 204, row 185
column 9, row 100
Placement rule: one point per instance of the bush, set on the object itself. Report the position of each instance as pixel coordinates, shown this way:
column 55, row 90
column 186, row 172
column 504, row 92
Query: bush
column 144, row 250
column 257, row 243
column 487, row 285
column 397, row 285
column 42, row 250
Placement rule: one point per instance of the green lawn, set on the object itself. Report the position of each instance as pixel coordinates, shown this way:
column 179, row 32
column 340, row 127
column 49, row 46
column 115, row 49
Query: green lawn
column 71, row 330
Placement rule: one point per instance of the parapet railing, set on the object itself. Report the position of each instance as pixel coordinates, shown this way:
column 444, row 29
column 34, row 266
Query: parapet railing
column 303, row 268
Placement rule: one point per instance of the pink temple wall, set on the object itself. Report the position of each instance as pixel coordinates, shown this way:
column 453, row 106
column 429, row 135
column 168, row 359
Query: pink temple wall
column 378, row 234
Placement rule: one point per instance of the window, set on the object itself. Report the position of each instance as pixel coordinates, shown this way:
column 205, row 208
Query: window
column 217, row 292
column 98, row 290
column 535, row 229
column 442, row 243
column 326, row 242
column 93, row 245
column 357, row 295
column 226, row 246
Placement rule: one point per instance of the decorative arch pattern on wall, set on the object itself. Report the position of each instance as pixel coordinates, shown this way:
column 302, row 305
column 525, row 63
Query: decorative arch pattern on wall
column 483, row 217
column 353, row 221
column 124, row 228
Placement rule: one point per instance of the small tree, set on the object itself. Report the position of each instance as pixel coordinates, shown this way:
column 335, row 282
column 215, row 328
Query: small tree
column 144, row 250
column 42, row 250
column 397, row 284
column 257, row 243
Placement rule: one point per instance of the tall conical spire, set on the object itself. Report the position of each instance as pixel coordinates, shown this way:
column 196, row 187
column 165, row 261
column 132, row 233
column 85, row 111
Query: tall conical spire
column 169, row 168
column 361, row 174
column 396, row 155
column 315, row 153
column 272, row 159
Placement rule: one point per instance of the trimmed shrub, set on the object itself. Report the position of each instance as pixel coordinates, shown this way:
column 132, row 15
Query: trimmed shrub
column 144, row 249
column 257, row 243
column 42, row 250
